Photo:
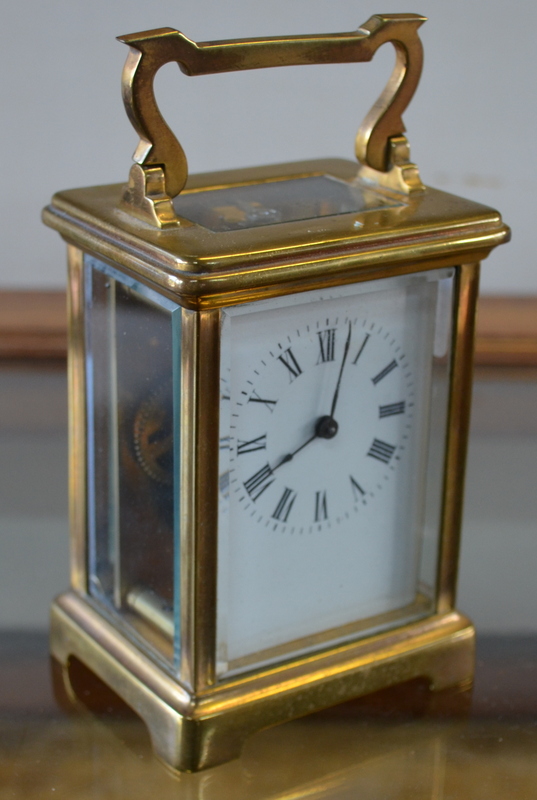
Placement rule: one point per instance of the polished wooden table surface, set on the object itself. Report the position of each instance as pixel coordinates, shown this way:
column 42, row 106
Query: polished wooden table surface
column 391, row 747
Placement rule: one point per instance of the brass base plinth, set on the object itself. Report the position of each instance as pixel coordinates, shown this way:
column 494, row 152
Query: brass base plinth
column 192, row 731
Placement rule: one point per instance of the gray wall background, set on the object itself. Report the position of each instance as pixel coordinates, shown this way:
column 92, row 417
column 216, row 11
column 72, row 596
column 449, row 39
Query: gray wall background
column 471, row 124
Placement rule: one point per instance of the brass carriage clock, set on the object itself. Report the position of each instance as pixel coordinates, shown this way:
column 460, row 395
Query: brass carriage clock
column 269, row 381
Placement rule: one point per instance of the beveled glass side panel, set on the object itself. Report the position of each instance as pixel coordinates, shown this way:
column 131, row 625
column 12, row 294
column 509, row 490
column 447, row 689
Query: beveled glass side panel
column 253, row 205
column 333, row 417
column 133, row 372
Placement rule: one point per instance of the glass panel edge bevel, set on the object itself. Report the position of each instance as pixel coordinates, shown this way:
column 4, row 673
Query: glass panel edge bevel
column 225, row 667
column 443, row 352
column 94, row 266
column 90, row 426
column 177, row 414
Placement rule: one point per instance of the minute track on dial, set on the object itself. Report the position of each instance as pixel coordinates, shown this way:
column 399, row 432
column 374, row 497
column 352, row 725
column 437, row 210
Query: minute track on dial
column 310, row 484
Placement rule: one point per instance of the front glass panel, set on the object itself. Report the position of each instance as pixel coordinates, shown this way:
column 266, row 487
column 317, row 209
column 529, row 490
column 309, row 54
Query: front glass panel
column 333, row 418
column 133, row 368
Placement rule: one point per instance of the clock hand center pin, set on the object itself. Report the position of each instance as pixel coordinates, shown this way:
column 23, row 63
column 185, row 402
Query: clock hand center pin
column 325, row 428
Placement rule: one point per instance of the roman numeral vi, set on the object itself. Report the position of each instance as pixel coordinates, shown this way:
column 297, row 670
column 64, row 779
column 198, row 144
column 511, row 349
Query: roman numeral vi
column 285, row 504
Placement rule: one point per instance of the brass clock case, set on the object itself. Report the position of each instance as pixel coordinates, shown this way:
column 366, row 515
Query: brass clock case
column 232, row 251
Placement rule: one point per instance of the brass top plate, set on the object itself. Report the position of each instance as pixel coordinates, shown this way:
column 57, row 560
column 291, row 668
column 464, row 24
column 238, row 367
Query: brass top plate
column 204, row 268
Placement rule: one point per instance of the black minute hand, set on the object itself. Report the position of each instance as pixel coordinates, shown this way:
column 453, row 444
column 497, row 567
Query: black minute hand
column 345, row 353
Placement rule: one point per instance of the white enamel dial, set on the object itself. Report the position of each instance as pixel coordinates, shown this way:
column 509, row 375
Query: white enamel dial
column 324, row 435
column 321, row 424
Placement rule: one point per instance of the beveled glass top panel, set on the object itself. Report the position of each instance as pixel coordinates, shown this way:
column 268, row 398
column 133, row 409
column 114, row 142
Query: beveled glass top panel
column 252, row 205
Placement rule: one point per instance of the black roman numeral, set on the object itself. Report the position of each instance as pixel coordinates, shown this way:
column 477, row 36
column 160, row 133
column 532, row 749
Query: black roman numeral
column 327, row 345
column 381, row 450
column 357, row 490
column 391, row 409
column 281, row 512
column 254, row 398
column 291, row 363
column 254, row 444
column 359, row 353
column 386, row 371
column 256, row 485
column 321, row 511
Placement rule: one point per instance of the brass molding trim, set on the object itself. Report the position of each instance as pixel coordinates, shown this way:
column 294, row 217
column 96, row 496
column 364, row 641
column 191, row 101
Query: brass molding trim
column 160, row 171
column 200, row 269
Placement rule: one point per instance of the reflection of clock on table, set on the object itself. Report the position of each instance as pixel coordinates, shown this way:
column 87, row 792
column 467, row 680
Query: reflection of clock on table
column 269, row 384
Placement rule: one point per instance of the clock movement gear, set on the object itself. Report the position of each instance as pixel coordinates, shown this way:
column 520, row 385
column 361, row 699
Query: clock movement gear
column 153, row 433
